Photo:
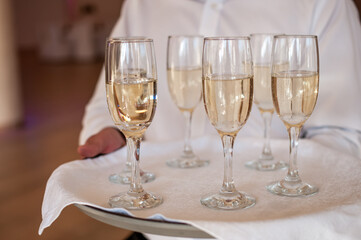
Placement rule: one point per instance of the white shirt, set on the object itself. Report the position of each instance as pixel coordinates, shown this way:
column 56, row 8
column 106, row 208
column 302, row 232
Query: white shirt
column 335, row 22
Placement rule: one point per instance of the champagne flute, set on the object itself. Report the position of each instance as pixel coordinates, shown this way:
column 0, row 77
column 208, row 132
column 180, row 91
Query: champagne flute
column 131, row 85
column 184, row 68
column 294, row 92
column 227, row 95
column 124, row 177
column 262, row 62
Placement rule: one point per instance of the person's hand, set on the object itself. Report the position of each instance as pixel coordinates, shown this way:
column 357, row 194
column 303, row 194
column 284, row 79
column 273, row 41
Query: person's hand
column 106, row 141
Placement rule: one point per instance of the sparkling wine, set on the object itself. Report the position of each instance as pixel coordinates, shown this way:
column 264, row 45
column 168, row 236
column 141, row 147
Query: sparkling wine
column 185, row 86
column 228, row 101
column 262, row 88
column 132, row 104
column 294, row 95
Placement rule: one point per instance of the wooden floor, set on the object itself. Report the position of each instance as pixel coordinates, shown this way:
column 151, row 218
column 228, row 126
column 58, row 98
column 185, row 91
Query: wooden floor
column 54, row 97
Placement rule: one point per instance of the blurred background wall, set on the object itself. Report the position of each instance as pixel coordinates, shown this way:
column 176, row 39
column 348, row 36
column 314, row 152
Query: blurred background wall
column 10, row 100
column 57, row 30
column 44, row 87
column 33, row 18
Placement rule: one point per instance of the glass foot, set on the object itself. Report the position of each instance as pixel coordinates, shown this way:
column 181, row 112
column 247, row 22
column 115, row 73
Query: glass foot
column 284, row 189
column 135, row 200
column 125, row 177
column 266, row 166
column 228, row 201
column 187, row 162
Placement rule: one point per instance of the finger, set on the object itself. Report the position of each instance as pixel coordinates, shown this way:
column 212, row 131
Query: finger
column 90, row 149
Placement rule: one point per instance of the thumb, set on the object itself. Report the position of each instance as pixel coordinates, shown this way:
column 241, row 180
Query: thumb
column 106, row 141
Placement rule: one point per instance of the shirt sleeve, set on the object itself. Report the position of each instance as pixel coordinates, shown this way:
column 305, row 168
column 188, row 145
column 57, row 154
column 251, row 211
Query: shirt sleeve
column 337, row 24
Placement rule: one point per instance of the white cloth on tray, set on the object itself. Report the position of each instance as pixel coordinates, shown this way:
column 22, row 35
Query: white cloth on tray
column 333, row 213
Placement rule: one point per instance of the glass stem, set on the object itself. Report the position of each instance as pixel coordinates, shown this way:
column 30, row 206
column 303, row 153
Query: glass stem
column 133, row 145
column 128, row 163
column 187, row 151
column 292, row 175
column 266, row 152
column 228, row 184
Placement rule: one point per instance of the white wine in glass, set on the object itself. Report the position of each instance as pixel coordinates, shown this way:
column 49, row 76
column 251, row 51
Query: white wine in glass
column 124, row 176
column 295, row 92
column 131, row 85
column 227, row 96
column 261, row 44
column 184, row 69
